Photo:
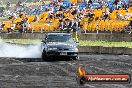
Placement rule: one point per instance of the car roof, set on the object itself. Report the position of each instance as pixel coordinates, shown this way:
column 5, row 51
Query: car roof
column 58, row 34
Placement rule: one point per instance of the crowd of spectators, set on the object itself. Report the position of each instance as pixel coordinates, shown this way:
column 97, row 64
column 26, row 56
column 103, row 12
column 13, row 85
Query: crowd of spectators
column 69, row 16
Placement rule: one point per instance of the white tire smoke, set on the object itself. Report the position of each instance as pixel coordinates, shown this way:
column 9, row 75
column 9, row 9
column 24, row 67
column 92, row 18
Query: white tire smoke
column 20, row 51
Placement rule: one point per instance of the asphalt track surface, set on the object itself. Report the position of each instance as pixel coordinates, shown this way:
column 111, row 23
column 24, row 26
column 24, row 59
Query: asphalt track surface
column 34, row 73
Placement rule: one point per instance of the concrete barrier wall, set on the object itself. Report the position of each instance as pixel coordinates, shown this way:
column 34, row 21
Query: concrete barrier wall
column 105, row 50
column 102, row 36
column 107, row 37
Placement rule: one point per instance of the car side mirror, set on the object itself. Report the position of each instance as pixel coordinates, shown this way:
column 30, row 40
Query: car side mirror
column 77, row 42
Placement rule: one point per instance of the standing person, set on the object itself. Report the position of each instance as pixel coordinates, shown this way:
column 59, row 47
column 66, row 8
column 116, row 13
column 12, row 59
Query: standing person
column 119, row 16
column 90, row 2
column 67, row 25
column 8, row 4
column 18, row 3
column 2, row 26
column 36, row 18
column 116, row 3
column 130, row 25
column 127, row 15
column 1, row 23
column 61, row 24
column 25, row 24
column 75, row 29
column 12, row 23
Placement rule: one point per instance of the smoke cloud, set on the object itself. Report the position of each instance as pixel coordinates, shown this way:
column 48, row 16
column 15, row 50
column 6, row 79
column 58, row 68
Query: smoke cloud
column 19, row 51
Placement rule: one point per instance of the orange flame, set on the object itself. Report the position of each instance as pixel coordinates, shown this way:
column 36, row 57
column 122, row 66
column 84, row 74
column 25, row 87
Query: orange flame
column 81, row 71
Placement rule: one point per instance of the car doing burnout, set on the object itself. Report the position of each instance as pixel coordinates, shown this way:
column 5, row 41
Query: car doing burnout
column 59, row 45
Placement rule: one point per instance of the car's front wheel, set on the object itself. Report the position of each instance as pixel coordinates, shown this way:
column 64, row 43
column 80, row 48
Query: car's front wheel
column 44, row 57
column 75, row 58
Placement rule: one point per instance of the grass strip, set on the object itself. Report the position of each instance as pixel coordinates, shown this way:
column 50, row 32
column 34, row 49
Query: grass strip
column 105, row 43
column 81, row 42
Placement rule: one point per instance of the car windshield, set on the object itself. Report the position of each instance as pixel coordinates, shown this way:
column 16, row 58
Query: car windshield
column 60, row 38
